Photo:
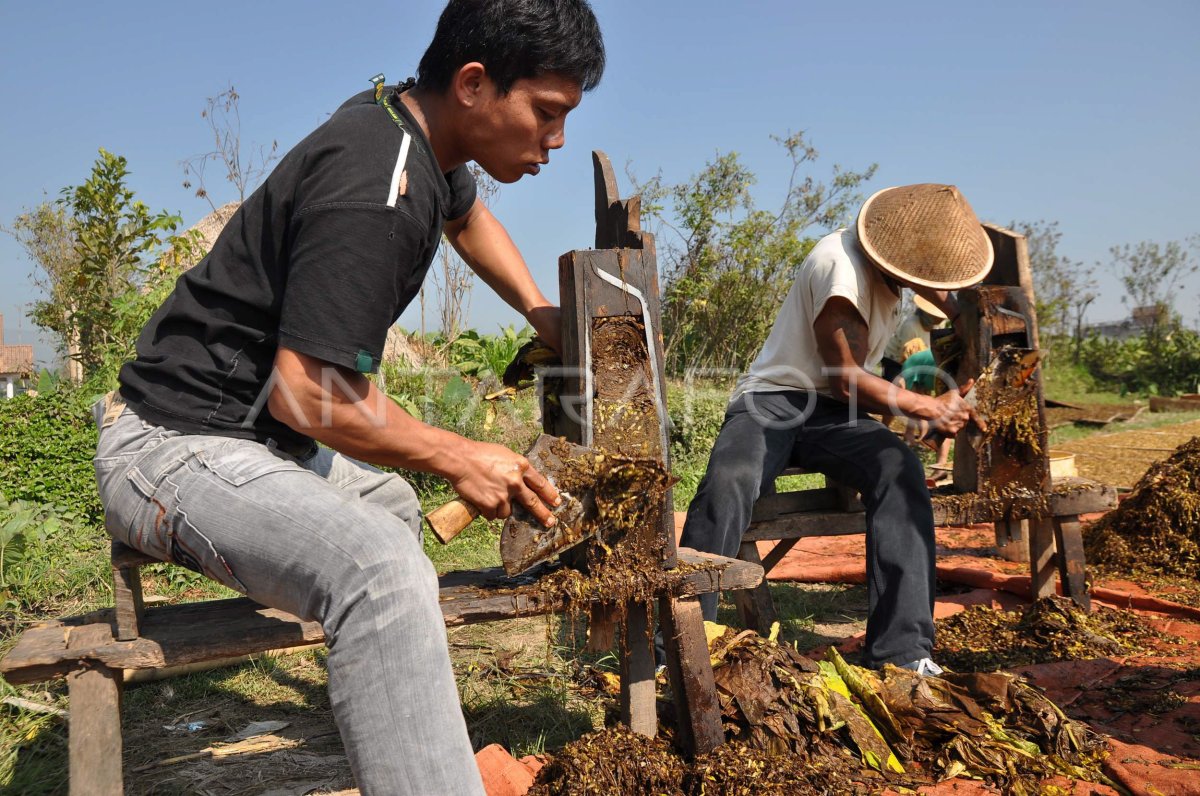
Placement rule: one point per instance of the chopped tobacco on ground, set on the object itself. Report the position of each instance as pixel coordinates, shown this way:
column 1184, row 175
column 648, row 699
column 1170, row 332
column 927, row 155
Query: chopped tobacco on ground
column 795, row 726
column 983, row 639
column 1156, row 529
column 612, row 761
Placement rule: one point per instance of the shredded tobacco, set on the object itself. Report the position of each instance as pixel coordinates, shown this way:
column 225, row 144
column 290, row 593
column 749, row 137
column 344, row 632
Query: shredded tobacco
column 983, row 639
column 1156, row 529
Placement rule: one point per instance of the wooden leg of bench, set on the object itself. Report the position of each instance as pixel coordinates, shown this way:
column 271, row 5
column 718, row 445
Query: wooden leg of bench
column 690, row 670
column 638, row 709
column 754, row 606
column 1041, row 557
column 95, row 721
column 127, row 601
column 1071, row 568
column 1012, row 541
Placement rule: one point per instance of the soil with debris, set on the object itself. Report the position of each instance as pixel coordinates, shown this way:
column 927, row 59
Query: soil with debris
column 983, row 639
column 1156, row 529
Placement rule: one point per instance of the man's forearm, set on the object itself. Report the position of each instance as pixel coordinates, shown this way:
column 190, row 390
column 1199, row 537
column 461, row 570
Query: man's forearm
column 874, row 394
column 347, row 412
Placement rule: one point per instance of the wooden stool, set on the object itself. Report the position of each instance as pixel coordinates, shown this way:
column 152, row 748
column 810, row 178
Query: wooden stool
column 1055, row 543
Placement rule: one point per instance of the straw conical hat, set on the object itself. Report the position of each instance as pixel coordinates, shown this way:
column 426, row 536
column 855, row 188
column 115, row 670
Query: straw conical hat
column 926, row 306
column 925, row 235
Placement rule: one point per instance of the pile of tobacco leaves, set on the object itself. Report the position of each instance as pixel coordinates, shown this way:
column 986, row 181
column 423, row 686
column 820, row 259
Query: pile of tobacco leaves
column 1156, row 529
column 796, row 726
column 983, row 639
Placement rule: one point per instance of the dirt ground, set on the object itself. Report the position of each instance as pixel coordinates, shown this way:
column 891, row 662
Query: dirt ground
column 1121, row 457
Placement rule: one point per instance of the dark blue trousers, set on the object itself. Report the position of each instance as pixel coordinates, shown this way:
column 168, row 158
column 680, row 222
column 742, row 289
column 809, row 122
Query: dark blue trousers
column 765, row 432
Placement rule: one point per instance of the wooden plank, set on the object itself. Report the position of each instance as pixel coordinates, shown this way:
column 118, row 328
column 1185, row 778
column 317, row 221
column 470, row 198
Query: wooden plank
column 1162, row 404
column 1072, row 571
column 770, row 507
column 1081, row 496
column 1041, row 557
column 94, row 741
column 602, row 628
column 754, row 606
column 817, row 523
column 122, row 555
column 776, row 555
column 179, row 634
column 690, row 671
column 638, row 711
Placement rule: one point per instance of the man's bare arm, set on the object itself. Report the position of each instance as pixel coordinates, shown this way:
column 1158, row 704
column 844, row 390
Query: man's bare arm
column 347, row 412
column 842, row 341
column 484, row 244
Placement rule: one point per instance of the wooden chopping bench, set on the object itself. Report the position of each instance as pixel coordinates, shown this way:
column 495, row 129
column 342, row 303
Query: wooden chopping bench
column 1054, row 540
column 616, row 281
column 91, row 651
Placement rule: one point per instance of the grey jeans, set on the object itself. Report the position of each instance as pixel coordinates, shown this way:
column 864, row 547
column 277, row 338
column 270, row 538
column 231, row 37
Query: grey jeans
column 327, row 539
column 765, row 432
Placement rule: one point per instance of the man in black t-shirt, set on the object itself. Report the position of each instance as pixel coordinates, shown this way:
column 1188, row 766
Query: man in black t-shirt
column 209, row 455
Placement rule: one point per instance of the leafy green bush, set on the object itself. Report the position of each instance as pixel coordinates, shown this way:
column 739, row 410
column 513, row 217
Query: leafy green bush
column 483, row 355
column 46, row 447
column 47, row 555
column 1164, row 361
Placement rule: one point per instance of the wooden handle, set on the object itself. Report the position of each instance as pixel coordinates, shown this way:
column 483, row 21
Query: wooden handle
column 449, row 520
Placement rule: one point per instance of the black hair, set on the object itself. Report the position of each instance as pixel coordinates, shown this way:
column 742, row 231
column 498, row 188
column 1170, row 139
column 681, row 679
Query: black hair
column 515, row 39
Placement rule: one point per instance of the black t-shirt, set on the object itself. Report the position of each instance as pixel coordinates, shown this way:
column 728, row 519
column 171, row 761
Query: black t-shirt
column 322, row 259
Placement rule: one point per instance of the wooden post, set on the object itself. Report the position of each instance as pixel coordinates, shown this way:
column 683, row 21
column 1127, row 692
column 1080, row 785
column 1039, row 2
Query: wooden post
column 690, row 670
column 1071, row 569
column 613, row 290
column 638, row 710
column 94, row 744
column 754, row 606
column 1041, row 557
column 127, row 593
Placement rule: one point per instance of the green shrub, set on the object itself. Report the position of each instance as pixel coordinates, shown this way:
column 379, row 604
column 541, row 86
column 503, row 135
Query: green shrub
column 1164, row 361
column 46, row 446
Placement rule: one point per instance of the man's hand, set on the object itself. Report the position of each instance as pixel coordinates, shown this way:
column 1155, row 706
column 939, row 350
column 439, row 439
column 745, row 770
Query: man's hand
column 948, row 414
column 492, row 478
column 547, row 322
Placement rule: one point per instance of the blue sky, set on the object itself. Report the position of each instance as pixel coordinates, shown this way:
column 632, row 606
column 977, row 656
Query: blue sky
column 1081, row 112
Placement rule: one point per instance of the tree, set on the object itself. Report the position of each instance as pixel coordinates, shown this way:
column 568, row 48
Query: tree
column 1063, row 288
column 243, row 169
column 47, row 235
column 118, row 253
column 1150, row 272
column 731, row 263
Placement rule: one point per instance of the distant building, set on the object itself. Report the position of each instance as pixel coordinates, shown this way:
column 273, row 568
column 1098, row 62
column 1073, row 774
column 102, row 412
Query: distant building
column 16, row 364
column 1141, row 320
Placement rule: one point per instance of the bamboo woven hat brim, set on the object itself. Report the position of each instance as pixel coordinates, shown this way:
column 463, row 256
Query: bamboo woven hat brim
column 926, row 306
column 926, row 235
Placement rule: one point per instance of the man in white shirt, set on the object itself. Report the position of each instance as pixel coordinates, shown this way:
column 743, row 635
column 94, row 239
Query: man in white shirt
column 804, row 402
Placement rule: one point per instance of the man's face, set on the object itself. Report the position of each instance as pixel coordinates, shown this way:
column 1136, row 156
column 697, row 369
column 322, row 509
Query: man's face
column 513, row 133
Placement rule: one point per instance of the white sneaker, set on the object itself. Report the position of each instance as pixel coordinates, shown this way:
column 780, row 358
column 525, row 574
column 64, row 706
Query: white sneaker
column 924, row 667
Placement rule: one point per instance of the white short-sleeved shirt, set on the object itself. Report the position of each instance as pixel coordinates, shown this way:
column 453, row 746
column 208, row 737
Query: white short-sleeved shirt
column 836, row 266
